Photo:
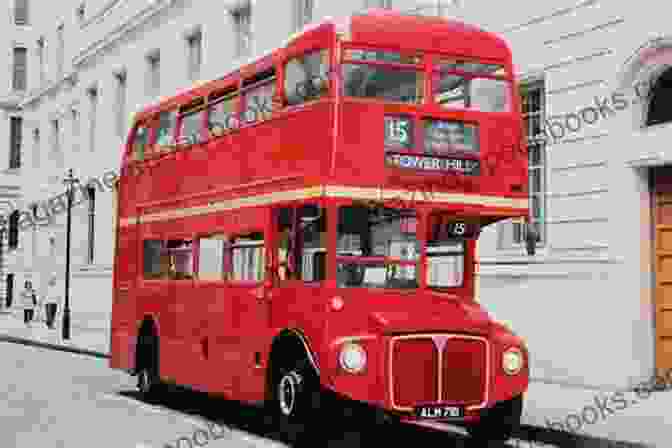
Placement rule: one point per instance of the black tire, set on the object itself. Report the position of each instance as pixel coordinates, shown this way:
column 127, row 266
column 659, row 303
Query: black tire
column 296, row 396
column 499, row 423
column 149, row 382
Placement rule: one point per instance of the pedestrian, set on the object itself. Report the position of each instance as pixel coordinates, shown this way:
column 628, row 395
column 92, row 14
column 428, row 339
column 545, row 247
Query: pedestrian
column 52, row 302
column 29, row 301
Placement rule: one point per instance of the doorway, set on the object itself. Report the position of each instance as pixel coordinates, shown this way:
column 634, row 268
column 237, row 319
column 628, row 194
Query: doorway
column 662, row 221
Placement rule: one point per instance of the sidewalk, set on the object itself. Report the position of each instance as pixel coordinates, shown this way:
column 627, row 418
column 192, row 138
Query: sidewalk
column 89, row 333
column 627, row 416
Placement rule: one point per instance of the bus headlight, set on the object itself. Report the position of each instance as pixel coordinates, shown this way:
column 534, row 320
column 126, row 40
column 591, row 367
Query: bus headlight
column 512, row 361
column 352, row 358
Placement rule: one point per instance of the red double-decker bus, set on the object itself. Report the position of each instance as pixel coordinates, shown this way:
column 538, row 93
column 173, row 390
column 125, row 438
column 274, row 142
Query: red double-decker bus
column 309, row 222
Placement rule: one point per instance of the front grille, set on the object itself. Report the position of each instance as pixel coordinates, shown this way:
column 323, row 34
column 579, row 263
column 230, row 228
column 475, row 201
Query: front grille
column 427, row 368
column 463, row 371
column 415, row 374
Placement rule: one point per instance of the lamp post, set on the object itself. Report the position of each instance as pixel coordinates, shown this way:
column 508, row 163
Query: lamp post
column 3, row 229
column 69, row 182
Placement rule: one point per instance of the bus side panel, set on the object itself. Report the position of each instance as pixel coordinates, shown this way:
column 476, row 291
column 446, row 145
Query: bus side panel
column 124, row 317
column 293, row 143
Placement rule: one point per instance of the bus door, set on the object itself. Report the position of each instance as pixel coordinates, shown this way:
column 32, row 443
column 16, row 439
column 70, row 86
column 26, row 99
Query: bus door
column 251, row 309
column 156, row 299
column 218, row 336
column 299, row 295
column 188, row 311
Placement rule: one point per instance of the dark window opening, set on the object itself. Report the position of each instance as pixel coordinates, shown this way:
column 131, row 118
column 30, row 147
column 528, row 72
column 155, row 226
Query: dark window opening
column 661, row 97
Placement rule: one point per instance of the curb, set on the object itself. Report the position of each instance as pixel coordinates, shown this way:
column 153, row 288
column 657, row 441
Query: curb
column 530, row 435
column 51, row 346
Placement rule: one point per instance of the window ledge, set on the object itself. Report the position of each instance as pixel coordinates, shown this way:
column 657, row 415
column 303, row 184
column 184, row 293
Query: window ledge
column 547, row 259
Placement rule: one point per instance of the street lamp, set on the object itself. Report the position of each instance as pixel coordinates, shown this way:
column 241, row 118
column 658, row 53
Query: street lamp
column 69, row 182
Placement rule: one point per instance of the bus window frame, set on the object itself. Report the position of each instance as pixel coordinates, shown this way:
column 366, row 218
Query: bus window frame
column 219, row 95
column 174, row 109
column 297, row 53
column 264, row 245
column 243, row 91
column 164, row 238
column 193, row 107
column 423, row 67
column 130, row 153
column 435, row 59
column 205, row 235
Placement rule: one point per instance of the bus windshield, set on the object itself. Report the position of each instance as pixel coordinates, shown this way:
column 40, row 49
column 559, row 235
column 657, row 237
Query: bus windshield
column 377, row 248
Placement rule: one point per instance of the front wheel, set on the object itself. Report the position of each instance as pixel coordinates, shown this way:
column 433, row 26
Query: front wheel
column 499, row 423
column 296, row 395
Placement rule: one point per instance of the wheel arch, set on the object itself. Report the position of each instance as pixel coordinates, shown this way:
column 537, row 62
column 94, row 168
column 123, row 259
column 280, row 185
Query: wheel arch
column 290, row 343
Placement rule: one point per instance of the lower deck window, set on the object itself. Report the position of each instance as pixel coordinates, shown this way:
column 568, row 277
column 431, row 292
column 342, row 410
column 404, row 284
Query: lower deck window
column 247, row 258
column 445, row 264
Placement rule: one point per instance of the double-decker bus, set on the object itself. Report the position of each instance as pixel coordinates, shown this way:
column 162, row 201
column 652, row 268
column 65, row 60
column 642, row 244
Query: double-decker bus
column 308, row 224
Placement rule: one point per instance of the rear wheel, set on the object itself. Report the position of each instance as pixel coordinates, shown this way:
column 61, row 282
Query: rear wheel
column 498, row 423
column 149, row 382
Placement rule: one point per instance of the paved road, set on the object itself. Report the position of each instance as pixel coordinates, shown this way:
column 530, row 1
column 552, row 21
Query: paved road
column 56, row 399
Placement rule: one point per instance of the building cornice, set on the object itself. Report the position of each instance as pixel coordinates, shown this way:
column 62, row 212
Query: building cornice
column 101, row 14
column 51, row 87
column 120, row 31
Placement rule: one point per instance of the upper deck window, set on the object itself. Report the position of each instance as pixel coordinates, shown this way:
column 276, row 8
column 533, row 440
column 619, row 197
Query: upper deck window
column 191, row 123
column 307, row 77
column 384, row 75
column 259, row 91
column 165, row 133
column 223, row 113
column 140, row 141
column 471, row 85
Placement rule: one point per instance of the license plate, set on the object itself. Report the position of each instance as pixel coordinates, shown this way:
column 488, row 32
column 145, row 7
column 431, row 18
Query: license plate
column 439, row 412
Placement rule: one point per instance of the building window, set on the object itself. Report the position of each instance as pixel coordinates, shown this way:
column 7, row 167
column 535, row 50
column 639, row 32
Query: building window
column 20, row 69
column 387, row 4
column 16, row 125
column 36, row 148
column 533, row 102
column 242, row 22
column 303, row 11
column 91, row 236
column 21, row 12
column 93, row 115
column 60, row 50
column 13, row 239
column 120, row 112
column 40, row 58
column 74, row 116
column 81, row 13
column 194, row 55
column 153, row 73
column 55, row 154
